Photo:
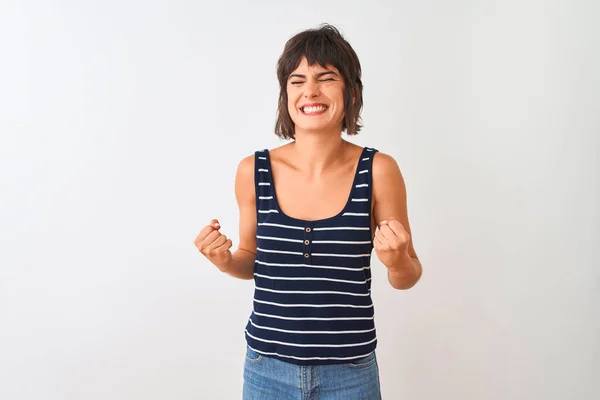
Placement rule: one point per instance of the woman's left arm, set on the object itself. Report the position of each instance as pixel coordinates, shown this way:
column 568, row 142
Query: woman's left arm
column 393, row 241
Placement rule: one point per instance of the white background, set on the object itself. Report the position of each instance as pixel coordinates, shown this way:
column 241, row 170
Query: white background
column 122, row 124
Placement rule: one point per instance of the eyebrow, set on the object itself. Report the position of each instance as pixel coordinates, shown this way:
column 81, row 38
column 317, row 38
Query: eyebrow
column 320, row 74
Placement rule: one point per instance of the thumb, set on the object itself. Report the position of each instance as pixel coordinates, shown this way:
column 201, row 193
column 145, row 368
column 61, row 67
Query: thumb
column 215, row 224
column 386, row 221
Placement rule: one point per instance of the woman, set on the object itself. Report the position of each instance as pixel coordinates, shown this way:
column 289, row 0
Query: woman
column 308, row 244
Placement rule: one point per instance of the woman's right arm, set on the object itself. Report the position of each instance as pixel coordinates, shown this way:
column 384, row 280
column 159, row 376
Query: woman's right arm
column 242, row 261
column 215, row 246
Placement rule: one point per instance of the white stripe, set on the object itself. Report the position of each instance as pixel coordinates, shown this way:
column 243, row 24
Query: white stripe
column 307, row 332
column 311, row 345
column 316, row 254
column 342, row 228
column 312, row 266
column 311, row 292
column 308, row 358
column 360, row 200
column 362, row 185
column 315, row 318
column 278, row 251
column 265, row 197
column 281, row 226
column 262, row 158
column 312, row 305
column 293, row 278
column 340, row 255
column 263, row 170
column 351, row 214
column 264, row 184
column 282, row 239
column 268, row 211
column 369, row 149
column 340, row 242
column 364, row 171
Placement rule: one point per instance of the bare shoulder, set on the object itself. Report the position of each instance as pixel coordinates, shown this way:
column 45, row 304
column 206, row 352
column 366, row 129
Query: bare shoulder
column 246, row 167
column 385, row 168
column 244, row 180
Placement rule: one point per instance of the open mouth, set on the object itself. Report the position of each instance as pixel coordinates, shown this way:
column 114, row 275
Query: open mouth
column 314, row 110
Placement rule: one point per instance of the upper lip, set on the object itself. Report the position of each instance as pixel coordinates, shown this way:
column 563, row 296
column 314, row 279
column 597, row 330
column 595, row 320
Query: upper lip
column 313, row 105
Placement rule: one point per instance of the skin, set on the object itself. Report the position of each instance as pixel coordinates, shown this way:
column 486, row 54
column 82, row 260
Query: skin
column 313, row 176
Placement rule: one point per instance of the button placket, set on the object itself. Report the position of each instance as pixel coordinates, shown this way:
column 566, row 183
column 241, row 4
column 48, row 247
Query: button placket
column 307, row 243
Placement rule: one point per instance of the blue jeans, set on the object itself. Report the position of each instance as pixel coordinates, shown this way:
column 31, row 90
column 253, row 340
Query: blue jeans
column 267, row 378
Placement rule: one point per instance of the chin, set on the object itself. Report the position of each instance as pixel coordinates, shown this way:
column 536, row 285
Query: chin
column 314, row 128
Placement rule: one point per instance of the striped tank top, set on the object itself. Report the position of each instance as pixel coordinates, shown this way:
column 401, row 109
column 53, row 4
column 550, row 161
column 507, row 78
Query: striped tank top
column 312, row 297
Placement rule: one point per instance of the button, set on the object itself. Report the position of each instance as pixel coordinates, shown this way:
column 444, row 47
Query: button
column 306, row 242
column 306, row 255
column 308, row 229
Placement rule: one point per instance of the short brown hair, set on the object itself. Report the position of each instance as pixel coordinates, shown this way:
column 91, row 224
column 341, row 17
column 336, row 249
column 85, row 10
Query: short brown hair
column 323, row 45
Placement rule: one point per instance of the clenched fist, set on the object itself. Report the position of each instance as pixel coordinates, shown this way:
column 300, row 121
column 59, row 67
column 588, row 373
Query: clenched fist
column 214, row 245
column 391, row 242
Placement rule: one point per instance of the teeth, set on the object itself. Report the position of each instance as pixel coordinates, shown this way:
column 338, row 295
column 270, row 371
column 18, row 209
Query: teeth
column 309, row 110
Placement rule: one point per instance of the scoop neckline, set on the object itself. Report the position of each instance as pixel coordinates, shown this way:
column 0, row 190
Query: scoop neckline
column 316, row 221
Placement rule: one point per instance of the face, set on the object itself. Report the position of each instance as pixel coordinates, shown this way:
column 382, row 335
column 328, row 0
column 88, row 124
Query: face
column 316, row 97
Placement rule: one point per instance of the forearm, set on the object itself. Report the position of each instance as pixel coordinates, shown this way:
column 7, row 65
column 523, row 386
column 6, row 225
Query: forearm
column 241, row 265
column 405, row 274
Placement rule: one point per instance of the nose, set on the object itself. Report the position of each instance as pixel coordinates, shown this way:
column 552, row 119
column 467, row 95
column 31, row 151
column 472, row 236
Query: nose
column 311, row 89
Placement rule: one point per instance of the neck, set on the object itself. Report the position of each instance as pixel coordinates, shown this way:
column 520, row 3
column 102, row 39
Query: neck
column 318, row 152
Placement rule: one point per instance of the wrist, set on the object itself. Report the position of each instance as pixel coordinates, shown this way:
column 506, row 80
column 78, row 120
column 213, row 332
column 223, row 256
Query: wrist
column 403, row 265
column 226, row 266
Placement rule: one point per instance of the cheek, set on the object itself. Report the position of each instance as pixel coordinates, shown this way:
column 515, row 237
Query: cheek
column 291, row 104
column 339, row 110
column 291, row 107
column 339, row 100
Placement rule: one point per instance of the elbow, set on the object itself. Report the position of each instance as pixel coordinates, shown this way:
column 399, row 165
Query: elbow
column 406, row 282
column 403, row 285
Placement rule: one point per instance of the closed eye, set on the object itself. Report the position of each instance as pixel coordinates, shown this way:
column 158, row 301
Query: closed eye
column 320, row 80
